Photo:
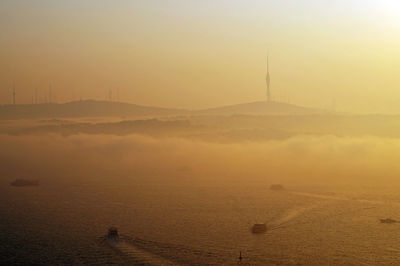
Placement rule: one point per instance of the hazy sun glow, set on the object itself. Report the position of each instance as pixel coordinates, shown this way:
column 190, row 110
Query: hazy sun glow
column 390, row 10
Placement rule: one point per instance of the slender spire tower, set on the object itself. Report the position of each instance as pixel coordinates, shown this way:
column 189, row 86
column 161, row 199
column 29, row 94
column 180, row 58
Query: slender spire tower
column 268, row 80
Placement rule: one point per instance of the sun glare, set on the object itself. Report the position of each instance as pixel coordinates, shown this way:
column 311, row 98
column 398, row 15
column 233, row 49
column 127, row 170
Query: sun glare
column 390, row 9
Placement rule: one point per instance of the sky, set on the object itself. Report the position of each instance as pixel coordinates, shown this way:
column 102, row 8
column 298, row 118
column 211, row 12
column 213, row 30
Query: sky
column 340, row 55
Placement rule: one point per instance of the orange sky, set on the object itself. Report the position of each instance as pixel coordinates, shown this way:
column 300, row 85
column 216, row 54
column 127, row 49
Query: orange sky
column 197, row 54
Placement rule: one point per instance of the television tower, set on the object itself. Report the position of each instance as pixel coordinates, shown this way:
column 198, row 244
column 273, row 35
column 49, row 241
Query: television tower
column 268, row 80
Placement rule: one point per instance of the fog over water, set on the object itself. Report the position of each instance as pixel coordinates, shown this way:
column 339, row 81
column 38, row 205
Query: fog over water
column 300, row 159
column 187, row 191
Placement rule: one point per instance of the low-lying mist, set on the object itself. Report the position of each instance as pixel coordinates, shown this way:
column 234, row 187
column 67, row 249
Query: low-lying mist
column 297, row 160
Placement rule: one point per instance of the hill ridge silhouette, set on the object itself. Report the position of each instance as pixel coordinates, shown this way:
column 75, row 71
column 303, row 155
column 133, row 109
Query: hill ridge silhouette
column 92, row 108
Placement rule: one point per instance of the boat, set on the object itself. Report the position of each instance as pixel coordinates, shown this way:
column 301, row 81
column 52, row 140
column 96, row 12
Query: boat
column 259, row 228
column 112, row 233
column 276, row 187
column 388, row 221
column 24, row 183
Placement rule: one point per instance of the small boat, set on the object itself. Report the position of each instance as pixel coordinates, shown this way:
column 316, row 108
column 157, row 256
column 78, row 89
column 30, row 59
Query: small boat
column 24, row 183
column 259, row 228
column 388, row 221
column 112, row 233
column 276, row 187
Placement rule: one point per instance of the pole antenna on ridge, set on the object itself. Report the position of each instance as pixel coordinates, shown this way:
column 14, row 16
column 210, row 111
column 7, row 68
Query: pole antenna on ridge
column 268, row 80
column 50, row 96
column 14, row 94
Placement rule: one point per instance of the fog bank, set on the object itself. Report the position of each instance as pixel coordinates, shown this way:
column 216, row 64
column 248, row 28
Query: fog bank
column 298, row 160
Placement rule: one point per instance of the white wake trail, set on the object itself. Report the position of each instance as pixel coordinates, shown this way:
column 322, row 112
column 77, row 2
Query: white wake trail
column 138, row 254
column 293, row 213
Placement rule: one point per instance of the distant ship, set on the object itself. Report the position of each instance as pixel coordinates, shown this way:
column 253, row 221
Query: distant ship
column 259, row 228
column 388, row 221
column 24, row 183
column 276, row 187
column 113, row 233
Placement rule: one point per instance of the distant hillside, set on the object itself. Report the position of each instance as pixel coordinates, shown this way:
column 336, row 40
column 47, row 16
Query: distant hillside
column 261, row 108
column 83, row 109
column 92, row 108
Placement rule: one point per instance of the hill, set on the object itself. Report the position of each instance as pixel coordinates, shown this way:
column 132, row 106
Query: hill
column 261, row 108
column 87, row 108
column 92, row 108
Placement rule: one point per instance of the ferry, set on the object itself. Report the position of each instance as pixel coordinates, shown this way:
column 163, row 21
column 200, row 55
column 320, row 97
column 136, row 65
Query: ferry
column 276, row 187
column 259, row 228
column 24, row 183
column 388, row 221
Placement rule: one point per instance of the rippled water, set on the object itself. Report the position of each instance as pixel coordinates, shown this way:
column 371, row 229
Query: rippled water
column 64, row 222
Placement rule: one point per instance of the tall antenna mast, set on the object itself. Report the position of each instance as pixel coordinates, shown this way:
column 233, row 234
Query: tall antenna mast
column 50, row 93
column 268, row 80
column 14, row 94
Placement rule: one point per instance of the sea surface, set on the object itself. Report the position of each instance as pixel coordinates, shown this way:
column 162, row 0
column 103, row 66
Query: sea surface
column 65, row 222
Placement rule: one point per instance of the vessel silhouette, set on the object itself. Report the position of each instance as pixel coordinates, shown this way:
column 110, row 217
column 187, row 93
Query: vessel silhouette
column 24, row 183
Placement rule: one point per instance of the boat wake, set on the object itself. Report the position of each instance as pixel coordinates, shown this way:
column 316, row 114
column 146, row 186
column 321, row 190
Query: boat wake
column 126, row 247
column 391, row 249
column 140, row 256
column 343, row 198
column 292, row 214
column 319, row 196
column 144, row 252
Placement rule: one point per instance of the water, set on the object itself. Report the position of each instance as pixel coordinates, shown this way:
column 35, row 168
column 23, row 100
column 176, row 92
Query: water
column 64, row 222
